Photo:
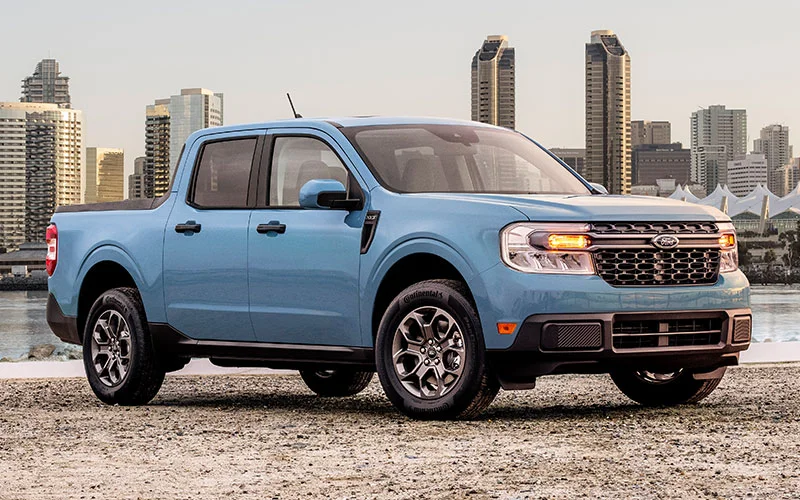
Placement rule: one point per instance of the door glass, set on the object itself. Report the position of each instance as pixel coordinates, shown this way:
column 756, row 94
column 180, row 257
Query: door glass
column 297, row 160
column 223, row 174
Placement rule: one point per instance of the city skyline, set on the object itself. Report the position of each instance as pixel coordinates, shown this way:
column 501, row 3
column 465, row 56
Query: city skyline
column 671, row 77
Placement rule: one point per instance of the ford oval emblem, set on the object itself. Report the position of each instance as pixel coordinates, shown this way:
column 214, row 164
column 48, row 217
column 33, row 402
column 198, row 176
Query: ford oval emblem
column 665, row 241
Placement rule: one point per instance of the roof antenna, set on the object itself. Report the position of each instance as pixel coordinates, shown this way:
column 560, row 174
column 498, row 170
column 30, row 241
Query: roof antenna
column 295, row 113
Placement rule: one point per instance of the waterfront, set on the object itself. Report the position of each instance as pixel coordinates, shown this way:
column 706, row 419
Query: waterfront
column 23, row 323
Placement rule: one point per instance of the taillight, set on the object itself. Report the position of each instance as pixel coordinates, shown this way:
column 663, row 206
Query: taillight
column 52, row 249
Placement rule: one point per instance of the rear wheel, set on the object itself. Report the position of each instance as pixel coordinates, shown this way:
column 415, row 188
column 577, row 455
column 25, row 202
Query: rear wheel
column 336, row 383
column 663, row 389
column 121, row 365
column 430, row 353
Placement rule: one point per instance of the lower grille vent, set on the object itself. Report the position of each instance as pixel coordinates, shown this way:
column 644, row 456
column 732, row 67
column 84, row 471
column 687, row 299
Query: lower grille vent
column 638, row 334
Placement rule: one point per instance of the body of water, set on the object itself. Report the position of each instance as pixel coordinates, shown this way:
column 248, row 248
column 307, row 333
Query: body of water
column 776, row 318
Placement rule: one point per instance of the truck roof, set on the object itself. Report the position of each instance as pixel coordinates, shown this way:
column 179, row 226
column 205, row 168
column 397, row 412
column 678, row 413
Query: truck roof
column 344, row 121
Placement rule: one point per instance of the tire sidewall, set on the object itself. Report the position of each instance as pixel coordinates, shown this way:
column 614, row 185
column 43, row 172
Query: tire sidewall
column 428, row 294
column 130, row 311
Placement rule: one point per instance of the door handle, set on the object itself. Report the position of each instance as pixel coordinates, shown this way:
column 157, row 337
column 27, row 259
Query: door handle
column 189, row 226
column 273, row 226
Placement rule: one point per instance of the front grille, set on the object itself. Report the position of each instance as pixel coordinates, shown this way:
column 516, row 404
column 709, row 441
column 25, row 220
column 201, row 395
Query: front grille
column 637, row 334
column 651, row 266
column 655, row 228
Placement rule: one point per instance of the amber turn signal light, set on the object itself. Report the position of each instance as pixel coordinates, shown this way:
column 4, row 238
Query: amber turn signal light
column 506, row 328
column 568, row 241
column 727, row 240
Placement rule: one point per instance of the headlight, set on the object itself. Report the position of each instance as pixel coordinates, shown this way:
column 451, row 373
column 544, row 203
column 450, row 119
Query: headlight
column 547, row 248
column 729, row 249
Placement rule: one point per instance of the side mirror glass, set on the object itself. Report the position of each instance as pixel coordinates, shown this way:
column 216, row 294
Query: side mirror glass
column 599, row 188
column 326, row 193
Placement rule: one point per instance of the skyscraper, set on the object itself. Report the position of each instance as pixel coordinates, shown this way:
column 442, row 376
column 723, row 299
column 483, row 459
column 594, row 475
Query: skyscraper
column 46, row 85
column 192, row 110
column 105, row 179
column 719, row 135
column 493, row 87
column 168, row 123
column 136, row 179
column 608, row 112
column 747, row 173
column 51, row 141
column 774, row 145
column 574, row 157
column 156, row 134
column 650, row 132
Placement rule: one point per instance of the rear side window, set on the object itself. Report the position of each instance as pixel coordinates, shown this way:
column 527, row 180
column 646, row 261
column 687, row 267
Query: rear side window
column 223, row 174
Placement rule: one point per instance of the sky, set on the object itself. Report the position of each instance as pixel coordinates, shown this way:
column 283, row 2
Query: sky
column 403, row 58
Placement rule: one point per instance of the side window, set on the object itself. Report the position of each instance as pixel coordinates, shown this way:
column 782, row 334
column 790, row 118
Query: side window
column 223, row 174
column 297, row 160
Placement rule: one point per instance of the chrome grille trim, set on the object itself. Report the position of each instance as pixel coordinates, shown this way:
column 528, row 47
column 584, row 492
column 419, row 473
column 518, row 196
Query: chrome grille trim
column 679, row 228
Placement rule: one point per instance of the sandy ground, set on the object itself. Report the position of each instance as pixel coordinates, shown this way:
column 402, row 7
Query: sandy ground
column 267, row 436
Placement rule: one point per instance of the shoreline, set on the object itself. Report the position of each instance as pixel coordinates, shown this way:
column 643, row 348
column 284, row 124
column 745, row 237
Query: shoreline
column 760, row 353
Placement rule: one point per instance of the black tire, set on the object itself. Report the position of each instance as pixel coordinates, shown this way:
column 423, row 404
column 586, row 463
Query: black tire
column 335, row 383
column 681, row 389
column 143, row 373
column 472, row 391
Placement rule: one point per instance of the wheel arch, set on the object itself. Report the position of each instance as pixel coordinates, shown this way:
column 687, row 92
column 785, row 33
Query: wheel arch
column 106, row 268
column 410, row 263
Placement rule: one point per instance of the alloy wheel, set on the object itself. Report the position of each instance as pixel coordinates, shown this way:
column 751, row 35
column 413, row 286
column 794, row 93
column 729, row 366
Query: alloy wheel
column 428, row 352
column 111, row 348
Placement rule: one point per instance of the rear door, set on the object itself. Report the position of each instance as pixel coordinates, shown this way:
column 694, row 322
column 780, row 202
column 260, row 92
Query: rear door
column 205, row 247
column 304, row 272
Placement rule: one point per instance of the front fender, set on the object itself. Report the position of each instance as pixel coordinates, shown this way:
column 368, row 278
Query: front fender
column 403, row 249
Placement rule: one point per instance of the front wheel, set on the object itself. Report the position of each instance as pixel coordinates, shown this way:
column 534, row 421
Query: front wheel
column 663, row 389
column 121, row 365
column 430, row 353
column 338, row 382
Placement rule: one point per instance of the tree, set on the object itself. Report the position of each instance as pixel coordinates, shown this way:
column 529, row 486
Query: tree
column 769, row 256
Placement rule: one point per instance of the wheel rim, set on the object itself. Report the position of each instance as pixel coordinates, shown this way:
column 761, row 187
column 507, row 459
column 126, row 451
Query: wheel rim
column 658, row 378
column 428, row 352
column 111, row 348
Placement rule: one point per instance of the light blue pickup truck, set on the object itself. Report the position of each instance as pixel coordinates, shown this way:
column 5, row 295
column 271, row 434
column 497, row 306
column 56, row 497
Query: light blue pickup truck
column 453, row 258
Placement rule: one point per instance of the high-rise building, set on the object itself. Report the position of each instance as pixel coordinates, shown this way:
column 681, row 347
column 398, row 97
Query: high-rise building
column 574, row 157
column 774, row 145
column 51, row 140
column 650, row 132
column 651, row 162
column 156, row 136
column 13, row 122
column 105, row 179
column 493, row 87
column 608, row 112
column 719, row 135
column 192, row 110
column 46, row 85
column 745, row 174
column 786, row 178
column 168, row 123
column 136, row 179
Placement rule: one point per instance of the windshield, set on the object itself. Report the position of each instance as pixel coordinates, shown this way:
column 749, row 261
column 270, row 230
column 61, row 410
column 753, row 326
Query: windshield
column 460, row 159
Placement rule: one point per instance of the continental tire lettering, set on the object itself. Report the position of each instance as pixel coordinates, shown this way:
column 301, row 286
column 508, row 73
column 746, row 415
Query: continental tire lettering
column 421, row 294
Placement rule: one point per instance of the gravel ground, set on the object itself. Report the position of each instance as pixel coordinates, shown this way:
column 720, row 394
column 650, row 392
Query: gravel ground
column 269, row 437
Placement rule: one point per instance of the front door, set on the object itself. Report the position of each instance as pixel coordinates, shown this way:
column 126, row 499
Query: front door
column 304, row 263
column 205, row 245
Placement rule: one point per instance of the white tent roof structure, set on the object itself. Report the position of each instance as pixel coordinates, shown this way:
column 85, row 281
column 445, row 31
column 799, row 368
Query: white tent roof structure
column 750, row 204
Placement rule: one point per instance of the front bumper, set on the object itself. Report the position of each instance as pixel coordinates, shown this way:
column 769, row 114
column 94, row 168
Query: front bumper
column 699, row 341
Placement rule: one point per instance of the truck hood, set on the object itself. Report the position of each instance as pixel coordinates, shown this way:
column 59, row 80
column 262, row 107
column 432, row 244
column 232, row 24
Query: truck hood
column 592, row 208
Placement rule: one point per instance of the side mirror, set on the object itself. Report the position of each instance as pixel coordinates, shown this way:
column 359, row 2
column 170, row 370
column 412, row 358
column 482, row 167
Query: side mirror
column 601, row 189
column 327, row 193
